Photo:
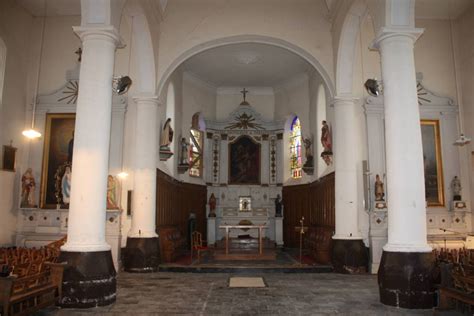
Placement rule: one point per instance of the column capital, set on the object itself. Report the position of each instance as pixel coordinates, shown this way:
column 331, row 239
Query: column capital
column 108, row 33
column 389, row 32
column 148, row 98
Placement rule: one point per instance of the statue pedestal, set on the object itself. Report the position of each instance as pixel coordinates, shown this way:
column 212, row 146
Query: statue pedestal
column 211, row 231
column 459, row 205
column 279, row 231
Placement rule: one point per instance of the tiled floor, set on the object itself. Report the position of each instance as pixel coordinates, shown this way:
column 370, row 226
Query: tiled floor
column 165, row 293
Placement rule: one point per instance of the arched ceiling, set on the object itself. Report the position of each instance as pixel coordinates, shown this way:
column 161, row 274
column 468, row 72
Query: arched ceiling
column 247, row 64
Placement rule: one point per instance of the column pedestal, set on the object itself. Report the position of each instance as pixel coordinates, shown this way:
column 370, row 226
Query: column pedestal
column 89, row 279
column 279, row 231
column 405, row 279
column 211, row 230
column 141, row 255
column 350, row 256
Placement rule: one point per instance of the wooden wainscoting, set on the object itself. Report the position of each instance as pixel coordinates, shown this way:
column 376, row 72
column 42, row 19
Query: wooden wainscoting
column 315, row 201
column 175, row 200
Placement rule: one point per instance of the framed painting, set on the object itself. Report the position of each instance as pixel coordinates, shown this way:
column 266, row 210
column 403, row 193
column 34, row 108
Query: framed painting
column 9, row 153
column 57, row 160
column 434, row 184
column 244, row 161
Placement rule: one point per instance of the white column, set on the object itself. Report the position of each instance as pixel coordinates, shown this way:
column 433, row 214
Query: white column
column 224, row 156
column 87, row 212
column 265, row 165
column 404, row 151
column 146, row 151
column 347, row 226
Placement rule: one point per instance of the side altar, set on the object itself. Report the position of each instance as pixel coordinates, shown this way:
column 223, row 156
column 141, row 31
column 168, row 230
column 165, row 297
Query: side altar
column 244, row 180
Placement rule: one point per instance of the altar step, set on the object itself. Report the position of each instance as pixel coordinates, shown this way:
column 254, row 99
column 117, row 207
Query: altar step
column 245, row 243
column 244, row 254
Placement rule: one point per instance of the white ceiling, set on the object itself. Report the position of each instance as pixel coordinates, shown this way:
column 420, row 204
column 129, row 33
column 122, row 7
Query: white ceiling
column 246, row 65
column 437, row 9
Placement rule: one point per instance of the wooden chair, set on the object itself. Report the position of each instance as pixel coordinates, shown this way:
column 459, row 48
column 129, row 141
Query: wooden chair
column 197, row 245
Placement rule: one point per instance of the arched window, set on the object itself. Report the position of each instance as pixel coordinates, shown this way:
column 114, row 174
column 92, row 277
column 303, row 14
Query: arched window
column 295, row 149
column 195, row 148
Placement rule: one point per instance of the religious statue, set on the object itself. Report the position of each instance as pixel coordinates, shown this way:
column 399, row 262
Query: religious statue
column 111, row 193
column 166, row 134
column 278, row 206
column 28, row 186
column 326, row 138
column 70, row 148
column 66, row 185
column 379, row 190
column 184, row 151
column 456, row 187
column 308, row 165
column 212, row 205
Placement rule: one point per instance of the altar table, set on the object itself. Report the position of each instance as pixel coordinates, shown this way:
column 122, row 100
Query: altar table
column 229, row 227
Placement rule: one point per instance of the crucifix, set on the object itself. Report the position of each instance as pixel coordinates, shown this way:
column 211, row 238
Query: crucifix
column 78, row 52
column 244, row 93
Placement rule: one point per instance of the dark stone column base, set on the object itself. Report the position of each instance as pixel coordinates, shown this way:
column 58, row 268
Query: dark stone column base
column 405, row 279
column 141, row 255
column 350, row 256
column 89, row 279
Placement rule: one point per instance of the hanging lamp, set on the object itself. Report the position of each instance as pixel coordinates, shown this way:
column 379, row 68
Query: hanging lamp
column 32, row 133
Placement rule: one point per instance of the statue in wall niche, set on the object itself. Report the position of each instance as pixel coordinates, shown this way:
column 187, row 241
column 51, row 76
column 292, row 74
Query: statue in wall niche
column 166, row 134
column 278, row 206
column 456, row 187
column 212, row 205
column 66, row 185
column 28, row 186
column 111, row 193
column 379, row 190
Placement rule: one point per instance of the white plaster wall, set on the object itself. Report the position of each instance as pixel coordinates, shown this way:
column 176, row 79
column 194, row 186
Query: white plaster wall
column 464, row 40
column 198, row 97
column 187, row 24
column 8, row 207
column 15, row 31
column 262, row 99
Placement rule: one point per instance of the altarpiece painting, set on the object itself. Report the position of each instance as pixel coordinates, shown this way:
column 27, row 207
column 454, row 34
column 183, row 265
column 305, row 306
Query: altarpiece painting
column 434, row 188
column 57, row 158
column 244, row 161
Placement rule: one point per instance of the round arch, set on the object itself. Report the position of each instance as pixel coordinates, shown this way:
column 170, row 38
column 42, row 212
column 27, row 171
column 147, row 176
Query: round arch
column 347, row 47
column 246, row 39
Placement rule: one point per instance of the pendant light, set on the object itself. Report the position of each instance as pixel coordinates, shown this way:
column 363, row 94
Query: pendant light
column 32, row 133
column 462, row 140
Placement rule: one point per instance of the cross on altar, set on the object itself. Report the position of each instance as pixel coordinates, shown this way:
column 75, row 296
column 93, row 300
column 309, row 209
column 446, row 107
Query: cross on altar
column 244, row 93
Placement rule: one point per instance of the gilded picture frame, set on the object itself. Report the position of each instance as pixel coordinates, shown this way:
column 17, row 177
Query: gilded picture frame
column 57, row 153
column 433, row 163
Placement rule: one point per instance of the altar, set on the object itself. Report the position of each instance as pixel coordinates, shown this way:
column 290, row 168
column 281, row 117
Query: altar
column 245, row 178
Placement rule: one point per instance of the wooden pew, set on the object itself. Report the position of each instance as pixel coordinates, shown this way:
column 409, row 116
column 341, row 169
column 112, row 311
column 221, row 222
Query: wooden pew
column 319, row 243
column 25, row 295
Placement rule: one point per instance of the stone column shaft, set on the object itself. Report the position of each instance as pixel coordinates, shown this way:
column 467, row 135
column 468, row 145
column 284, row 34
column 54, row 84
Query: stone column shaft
column 146, row 151
column 87, row 212
column 347, row 226
column 404, row 150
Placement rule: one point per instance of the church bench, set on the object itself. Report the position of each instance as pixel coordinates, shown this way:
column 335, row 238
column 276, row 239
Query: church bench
column 172, row 243
column 447, row 295
column 319, row 243
column 25, row 295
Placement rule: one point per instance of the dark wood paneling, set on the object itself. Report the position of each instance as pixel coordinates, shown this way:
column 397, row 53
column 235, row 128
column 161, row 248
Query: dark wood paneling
column 315, row 201
column 175, row 200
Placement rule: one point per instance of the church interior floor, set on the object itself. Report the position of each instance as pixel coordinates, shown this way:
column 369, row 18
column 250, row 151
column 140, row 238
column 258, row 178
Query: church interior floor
column 165, row 293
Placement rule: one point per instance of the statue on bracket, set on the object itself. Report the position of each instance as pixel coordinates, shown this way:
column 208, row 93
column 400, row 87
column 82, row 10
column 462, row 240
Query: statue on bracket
column 308, row 166
column 165, row 140
column 278, row 206
column 326, row 142
column 183, row 156
column 112, row 203
column 458, row 203
column 379, row 193
column 212, row 205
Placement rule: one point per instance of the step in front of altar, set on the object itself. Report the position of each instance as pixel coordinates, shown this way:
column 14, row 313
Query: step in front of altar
column 245, row 243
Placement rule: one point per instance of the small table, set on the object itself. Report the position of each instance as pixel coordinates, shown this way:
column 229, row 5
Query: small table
column 228, row 227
